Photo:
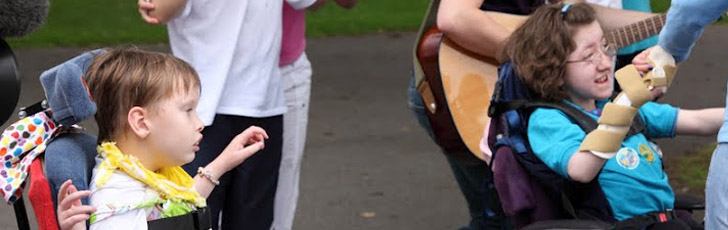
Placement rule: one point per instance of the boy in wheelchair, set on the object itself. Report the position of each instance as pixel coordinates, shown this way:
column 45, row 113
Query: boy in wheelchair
column 573, row 65
column 148, row 128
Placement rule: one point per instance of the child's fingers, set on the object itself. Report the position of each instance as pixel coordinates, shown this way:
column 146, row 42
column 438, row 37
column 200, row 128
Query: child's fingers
column 63, row 191
column 643, row 68
column 259, row 131
column 252, row 140
column 73, row 190
column 147, row 18
column 145, row 5
column 79, row 210
column 640, row 60
column 64, row 188
column 256, row 138
column 250, row 133
column 69, row 222
column 239, row 141
column 255, row 130
column 144, row 8
column 658, row 92
column 73, row 198
column 251, row 149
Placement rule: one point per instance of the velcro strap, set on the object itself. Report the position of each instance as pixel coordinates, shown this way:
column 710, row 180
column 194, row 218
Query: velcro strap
column 669, row 73
column 651, row 80
column 617, row 115
column 633, row 86
column 664, row 63
column 603, row 141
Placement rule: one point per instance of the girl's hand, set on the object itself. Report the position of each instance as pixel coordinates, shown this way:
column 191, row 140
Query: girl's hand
column 72, row 215
column 640, row 61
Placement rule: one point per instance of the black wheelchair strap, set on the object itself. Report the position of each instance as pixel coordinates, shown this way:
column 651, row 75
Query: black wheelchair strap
column 647, row 220
column 584, row 121
column 568, row 206
column 196, row 220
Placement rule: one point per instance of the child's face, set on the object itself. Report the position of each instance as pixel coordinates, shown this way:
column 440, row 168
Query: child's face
column 589, row 74
column 175, row 128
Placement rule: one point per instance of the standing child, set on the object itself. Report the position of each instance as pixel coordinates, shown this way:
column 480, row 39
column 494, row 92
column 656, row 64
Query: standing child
column 573, row 64
column 148, row 128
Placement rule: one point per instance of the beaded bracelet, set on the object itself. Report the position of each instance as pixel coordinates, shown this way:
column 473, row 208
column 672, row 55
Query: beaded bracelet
column 208, row 175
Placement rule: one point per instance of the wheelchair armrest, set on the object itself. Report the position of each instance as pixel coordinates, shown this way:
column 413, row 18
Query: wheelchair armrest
column 568, row 224
column 688, row 203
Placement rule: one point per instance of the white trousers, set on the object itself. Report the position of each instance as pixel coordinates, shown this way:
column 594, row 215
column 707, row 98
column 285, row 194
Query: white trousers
column 296, row 80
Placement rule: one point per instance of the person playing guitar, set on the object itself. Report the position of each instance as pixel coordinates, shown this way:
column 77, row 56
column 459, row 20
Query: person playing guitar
column 466, row 23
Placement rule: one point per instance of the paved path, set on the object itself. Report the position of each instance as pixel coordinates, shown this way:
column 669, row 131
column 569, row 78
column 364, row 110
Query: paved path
column 366, row 155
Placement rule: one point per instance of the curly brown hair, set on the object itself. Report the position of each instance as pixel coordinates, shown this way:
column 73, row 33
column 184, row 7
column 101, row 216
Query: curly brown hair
column 540, row 47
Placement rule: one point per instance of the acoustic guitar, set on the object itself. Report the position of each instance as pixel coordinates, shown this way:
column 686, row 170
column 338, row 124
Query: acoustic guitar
column 462, row 82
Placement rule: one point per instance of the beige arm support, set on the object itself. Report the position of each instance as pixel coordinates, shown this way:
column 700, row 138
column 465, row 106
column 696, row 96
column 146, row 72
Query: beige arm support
column 616, row 118
column 664, row 69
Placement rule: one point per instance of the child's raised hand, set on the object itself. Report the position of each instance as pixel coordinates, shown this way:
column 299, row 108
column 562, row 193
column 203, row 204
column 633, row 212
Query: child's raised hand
column 71, row 213
column 244, row 145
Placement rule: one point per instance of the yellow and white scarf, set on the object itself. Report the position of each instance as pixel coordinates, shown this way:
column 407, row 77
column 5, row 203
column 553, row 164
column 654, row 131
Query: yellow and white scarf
column 172, row 183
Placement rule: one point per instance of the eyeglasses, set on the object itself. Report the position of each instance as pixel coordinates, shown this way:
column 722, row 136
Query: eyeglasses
column 605, row 48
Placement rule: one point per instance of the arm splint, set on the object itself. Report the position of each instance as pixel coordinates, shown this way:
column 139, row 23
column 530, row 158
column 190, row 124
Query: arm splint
column 617, row 116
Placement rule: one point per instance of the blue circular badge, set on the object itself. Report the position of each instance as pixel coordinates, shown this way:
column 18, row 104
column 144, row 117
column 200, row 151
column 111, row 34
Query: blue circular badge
column 627, row 158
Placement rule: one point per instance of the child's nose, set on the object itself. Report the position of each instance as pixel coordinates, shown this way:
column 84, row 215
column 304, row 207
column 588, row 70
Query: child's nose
column 605, row 62
column 198, row 124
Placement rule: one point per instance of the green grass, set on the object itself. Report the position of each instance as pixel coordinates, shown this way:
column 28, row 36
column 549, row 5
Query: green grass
column 659, row 6
column 91, row 23
column 366, row 17
column 109, row 22
column 662, row 6
column 689, row 172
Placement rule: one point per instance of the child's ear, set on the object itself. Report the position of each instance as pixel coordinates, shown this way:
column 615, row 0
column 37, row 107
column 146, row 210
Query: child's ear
column 137, row 119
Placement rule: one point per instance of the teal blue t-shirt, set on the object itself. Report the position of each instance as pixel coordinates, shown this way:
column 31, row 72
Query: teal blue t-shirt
column 633, row 181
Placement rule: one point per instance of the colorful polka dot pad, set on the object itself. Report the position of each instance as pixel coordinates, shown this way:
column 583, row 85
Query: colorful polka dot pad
column 20, row 144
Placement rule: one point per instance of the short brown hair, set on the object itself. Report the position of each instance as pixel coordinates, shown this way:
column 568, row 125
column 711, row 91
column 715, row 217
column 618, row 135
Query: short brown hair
column 127, row 77
column 540, row 47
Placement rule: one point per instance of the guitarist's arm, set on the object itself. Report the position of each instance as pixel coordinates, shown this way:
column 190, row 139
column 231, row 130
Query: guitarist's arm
column 464, row 22
column 612, row 19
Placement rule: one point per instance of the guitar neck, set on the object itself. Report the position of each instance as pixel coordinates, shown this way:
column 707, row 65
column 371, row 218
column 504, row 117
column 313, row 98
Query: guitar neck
column 636, row 32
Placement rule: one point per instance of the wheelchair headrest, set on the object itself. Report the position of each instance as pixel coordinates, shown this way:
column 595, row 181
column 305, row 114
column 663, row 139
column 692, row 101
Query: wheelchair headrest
column 66, row 91
column 9, row 82
column 509, row 89
column 512, row 85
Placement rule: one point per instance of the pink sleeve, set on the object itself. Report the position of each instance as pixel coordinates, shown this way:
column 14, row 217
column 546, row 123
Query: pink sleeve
column 484, row 149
